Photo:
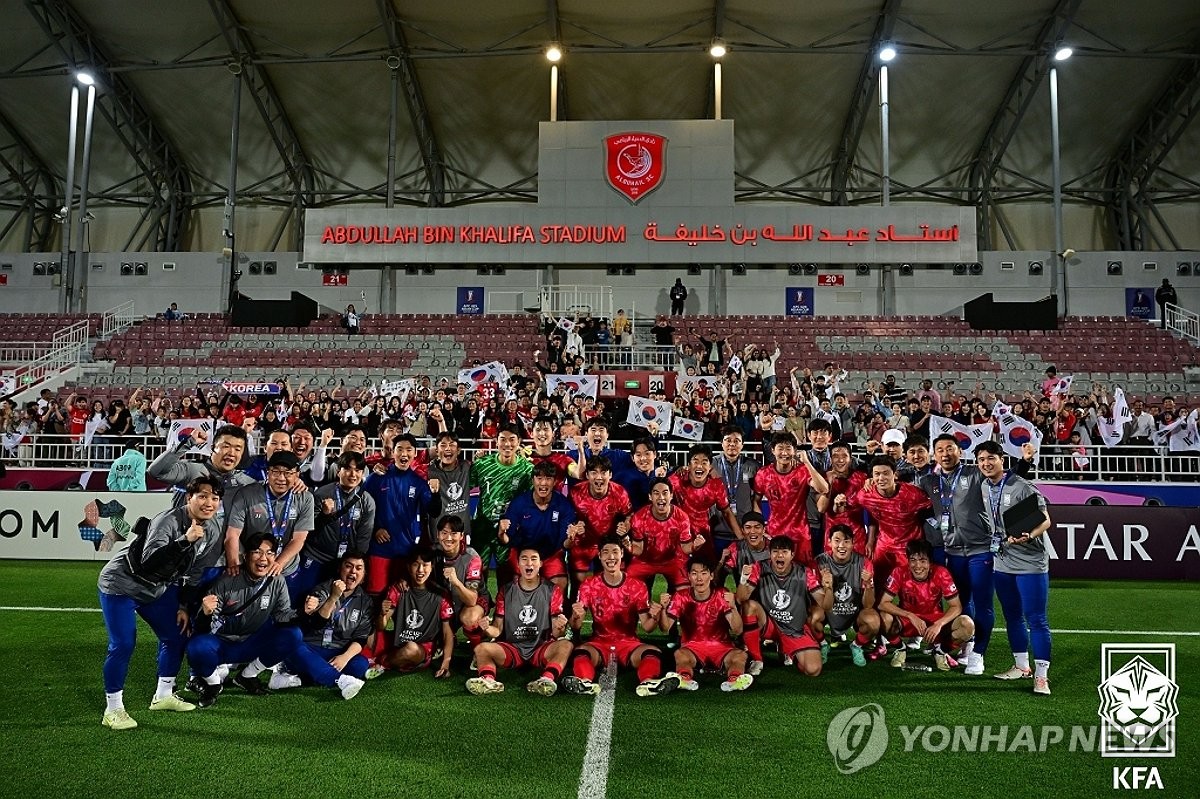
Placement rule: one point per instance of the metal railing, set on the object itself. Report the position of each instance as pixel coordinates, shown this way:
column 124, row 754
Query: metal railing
column 649, row 357
column 117, row 319
column 1184, row 322
column 65, row 351
column 572, row 301
column 507, row 302
column 16, row 352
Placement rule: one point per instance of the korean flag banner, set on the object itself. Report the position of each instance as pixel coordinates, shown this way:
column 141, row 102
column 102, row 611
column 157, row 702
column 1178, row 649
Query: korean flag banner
column 573, row 385
column 1186, row 438
column 688, row 385
column 183, row 428
column 1063, row 387
column 566, row 324
column 490, row 372
column 645, row 412
column 1015, row 432
column 967, row 437
column 1120, row 407
column 690, row 429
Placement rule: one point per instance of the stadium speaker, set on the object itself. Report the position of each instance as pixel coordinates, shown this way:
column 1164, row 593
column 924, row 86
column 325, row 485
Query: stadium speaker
column 39, row 268
column 141, row 268
column 739, row 269
column 483, row 270
column 794, row 269
column 1115, row 268
column 628, row 271
column 270, row 267
column 410, row 270
column 126, row 268
column 1183, row 268
column 810, row 269
column 694, row 269
column 975, row 268
column 614, row 270
column 960, row 269
column 1036, row 267
column 906, row 270
column 255, row 267
column 862, row 269
column 54, row 267
column 427, row 270
column 499, row 270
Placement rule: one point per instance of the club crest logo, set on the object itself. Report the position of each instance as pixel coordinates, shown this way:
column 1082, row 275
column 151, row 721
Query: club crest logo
column 635, row 163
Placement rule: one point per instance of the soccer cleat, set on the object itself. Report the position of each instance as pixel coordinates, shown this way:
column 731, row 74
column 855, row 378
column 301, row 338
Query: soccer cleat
column 474, row 664
column 1014, row 672
column 349, row 686
column 952, row 661
column 877, row 652
column 684, row 684
column 941, row 660
column 856, row 654
column 1041, row 685
column 542, row 686
column 787, row 660
column 738, row 683
column 899, row 658
column 658, row 686
column 974, row 665
column 824, row 651
column 578, row 686
column 195, row 684
column 484, row 685
column 118, row 720
column 754, row 668
column 251, row 685
column 281, row 680
column 375, row 671
column 172, row 702
column 208, row 695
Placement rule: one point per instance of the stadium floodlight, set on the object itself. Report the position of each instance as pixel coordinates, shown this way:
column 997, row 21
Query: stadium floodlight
column 554, row 54
column 887, row 53
column 1063, row 53
column 85, row 78
column 717, row 49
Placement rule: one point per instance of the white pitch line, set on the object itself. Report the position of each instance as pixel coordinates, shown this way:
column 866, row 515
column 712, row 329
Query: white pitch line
column 593, row 777
column 50, row 610
column 1115, row 632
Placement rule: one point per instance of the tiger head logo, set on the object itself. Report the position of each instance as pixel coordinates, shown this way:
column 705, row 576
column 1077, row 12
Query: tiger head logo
column 1139, row 700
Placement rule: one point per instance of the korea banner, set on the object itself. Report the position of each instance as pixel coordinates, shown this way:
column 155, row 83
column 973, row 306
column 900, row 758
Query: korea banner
column 966, row 436
column 490, row 372
column 1113, row 431
column 688, row 385
column 243, row 387
column 1164, row 433
column 645, row 412
column 565, row 324
column 1015, row 433
column 1063, row 387
column 183, row 428
column 1186, row 438
column 574, row 385
column 397, row 388
column 690, row 429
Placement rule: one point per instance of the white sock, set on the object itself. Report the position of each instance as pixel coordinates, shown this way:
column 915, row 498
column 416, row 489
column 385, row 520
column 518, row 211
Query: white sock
column 967, row 650
column 1022, row 659
column 115, row 700
column 252, row 670
column 166, row 687
column 213, row 679
column 1041, row 668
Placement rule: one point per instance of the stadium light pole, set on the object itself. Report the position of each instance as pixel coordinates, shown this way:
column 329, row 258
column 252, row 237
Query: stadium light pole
column 554, row 54
column 717, row 50
column 81, row 78
column 1061, row 53
column 887, row 54
column 79, row 269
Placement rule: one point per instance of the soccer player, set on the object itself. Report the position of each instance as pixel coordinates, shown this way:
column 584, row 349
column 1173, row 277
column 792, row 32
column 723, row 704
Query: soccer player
column 144, row 580
column 277, row 509
column 604, row 508
column 753, row 549
column 660, row 539
column 530, row 623
column 820, row 433
column 449, row 476
column 898, row 510
column 540, row 519
column 229, row 444
column 708, row 618
column 338, row 620
column 403, row 500
column 644, row 471
column 789, row 599
column 786, row 486
column 542, row 433
column 345, row 520
column 462, row 571
column 618, row 606
column 500, row 476
column 698, row 492
column 844, row 479
column 853, row 581
column 921, row 601
column 422, row 613
column 1022, row 569
column 595, row 439
column 241, row 608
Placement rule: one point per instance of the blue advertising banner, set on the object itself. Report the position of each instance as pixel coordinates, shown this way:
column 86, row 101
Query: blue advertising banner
column 799, row 301
column 470, row 300
column 1139, row 303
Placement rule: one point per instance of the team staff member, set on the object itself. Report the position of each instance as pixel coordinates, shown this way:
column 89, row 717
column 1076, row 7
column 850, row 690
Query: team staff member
column 229, row 444
column 737, row 475
column 403, row 500
column 344, row 522
column 143, row 580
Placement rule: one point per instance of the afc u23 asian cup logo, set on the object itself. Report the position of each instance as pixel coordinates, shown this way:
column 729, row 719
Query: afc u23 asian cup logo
column 635, row 163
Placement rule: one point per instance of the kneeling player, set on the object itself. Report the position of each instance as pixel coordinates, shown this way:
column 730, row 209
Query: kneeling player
column 422, row 614
column 708, row 619
column 853, row 580
column 912, row 607
column 786, row 595
column 530, row 623
column 618, row 604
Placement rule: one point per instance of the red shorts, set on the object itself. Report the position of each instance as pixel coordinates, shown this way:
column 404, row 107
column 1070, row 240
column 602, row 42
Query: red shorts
column 552, row 565
column 672, row 570
column 382, row 572
column 427, row 648
column 789, row 644
column 907, row 630
column 624, row 646
column 802, row 539
column 514, row 660
column 885, row 562
column 709, row 654
column 583, row 558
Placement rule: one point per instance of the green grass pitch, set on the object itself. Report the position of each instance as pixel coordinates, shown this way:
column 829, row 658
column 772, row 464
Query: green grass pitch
column 415, row 736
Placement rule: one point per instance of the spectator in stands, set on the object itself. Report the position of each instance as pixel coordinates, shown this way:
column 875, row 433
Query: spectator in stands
column 350, row 321
column 173, row 314
column 892, row 392
column 1165, row 296
column 679, row 294
column 935, row 398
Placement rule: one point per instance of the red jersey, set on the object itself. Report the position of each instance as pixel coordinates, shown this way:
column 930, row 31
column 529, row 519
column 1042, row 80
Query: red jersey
column 922, row 597
column 899, row 516
column 615, row 608
column 697, row 502
column 79, row 420
column 599, row 515
column 234, row 414
column 561, row 460
column 663, row 540
column 854, row 519
column 787, row 496
column 701, row 620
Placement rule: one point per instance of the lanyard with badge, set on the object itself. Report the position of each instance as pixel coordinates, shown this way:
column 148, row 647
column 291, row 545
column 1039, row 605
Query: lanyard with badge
column 345, row 520
column 947, row 499
column 327, row 636
column 731, row 488
column 995, row 499
column 279, row 529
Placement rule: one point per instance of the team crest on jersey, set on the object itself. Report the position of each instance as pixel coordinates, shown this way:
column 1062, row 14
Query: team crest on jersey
column 528, row 615
column 554, row 516
column 414, row 619
column 355, row 615
column 781, row 600
column 412, row 491
column 264, row 602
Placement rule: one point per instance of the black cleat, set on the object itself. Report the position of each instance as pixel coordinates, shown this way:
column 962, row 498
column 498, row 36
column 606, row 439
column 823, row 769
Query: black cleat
column 208, row 695
column 251, row 685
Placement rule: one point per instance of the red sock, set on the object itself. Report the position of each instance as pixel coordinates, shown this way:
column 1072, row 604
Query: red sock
column 752, row 637
column 817, row 633
column 685, row 674
column 650, row 668
column 487, row 672
column 553, row 671
column 894, row 641
column 861, row 640
column 733, row 674
column 582, row 666
column 474, row 637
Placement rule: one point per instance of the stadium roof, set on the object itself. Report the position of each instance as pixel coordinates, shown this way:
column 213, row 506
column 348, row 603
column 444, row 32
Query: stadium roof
column 969, row 101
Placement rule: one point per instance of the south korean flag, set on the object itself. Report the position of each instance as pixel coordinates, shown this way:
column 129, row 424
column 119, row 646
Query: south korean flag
column 644, row 412
column 690, row 429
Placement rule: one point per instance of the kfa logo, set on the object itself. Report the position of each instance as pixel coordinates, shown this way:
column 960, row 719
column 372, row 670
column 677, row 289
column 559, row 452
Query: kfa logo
column 527, row 615
column 414, row 619
column 634, row 163
column 1139, row 700
column 781, row 600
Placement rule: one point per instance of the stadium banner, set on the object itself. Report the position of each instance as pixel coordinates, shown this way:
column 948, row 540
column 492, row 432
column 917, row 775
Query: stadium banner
column 1139, row 303
column 799, row 301
column 470, row 300
column 45, row 525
